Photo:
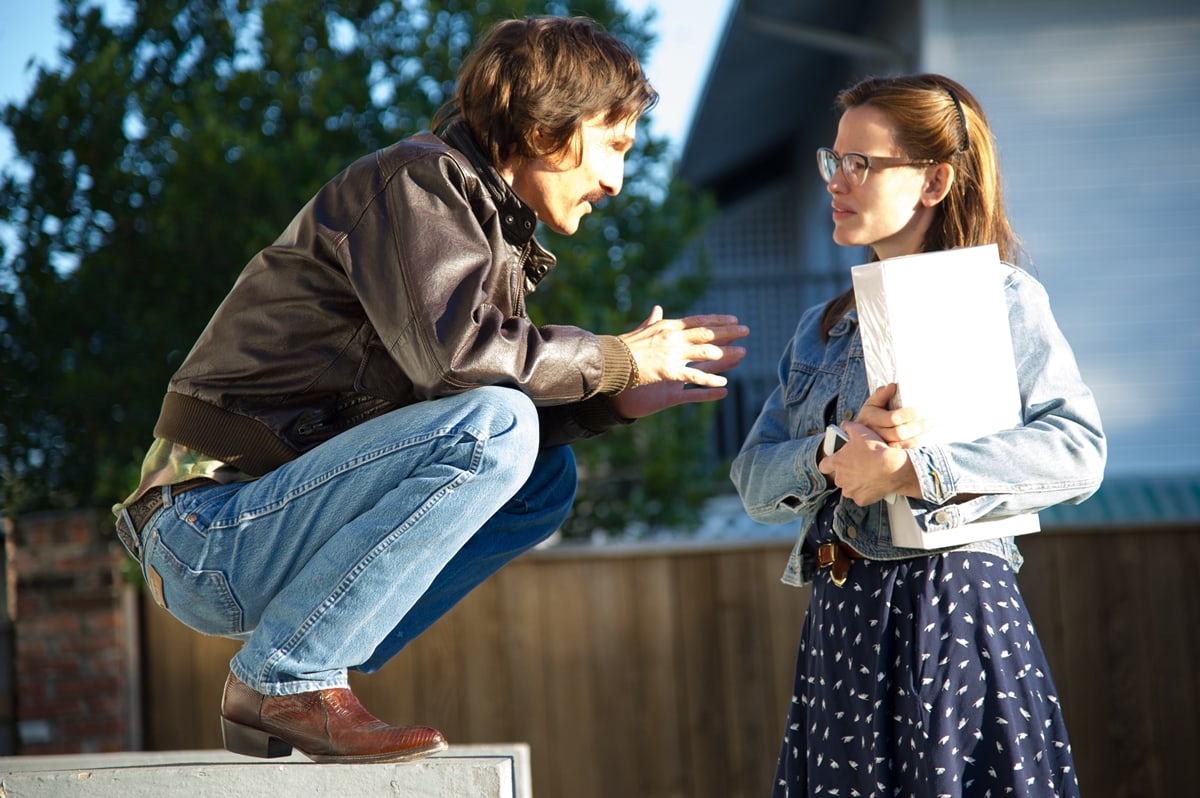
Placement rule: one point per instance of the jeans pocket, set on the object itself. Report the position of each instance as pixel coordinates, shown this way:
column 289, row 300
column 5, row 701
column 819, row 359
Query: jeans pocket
column 200, row 599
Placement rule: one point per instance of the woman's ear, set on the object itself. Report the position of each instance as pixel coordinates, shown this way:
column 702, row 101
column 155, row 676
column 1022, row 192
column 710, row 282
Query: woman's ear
column 938, row 179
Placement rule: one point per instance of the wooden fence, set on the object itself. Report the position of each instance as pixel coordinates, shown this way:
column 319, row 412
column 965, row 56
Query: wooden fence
column 666, row 672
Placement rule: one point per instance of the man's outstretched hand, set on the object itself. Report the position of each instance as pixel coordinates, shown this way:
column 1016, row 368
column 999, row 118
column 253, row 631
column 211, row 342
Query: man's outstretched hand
column 679, row 361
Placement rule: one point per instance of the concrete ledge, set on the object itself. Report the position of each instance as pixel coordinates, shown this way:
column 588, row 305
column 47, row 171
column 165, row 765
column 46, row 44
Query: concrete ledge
column 502, row 771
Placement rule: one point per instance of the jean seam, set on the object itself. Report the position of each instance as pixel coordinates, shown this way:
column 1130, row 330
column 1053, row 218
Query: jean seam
column 348, row 466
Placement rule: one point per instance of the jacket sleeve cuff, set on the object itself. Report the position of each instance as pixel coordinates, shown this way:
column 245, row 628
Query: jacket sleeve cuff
column 933, row 473
column 617, row 373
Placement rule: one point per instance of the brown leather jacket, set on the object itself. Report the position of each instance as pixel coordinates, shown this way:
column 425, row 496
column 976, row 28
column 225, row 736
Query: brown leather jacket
column 404, row 279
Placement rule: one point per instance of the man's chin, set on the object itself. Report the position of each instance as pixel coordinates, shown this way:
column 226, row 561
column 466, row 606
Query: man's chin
column 568, row 227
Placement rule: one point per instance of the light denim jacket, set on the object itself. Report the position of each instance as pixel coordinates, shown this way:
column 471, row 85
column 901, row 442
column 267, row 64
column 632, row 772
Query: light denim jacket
column 1057, row 455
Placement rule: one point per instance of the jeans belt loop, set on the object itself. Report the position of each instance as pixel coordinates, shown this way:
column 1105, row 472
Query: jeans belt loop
column 133, row 517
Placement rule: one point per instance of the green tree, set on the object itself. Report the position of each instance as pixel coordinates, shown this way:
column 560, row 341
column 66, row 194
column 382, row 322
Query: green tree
column 171, row 144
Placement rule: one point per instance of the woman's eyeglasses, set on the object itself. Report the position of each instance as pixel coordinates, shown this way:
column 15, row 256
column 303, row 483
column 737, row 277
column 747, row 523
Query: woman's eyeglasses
column 855, row 165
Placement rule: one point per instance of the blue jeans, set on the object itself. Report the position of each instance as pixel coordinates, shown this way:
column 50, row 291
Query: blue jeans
column 341, row 557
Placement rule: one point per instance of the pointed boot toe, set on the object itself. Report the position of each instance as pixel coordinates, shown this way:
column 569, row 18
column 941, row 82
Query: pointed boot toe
column 324, row 725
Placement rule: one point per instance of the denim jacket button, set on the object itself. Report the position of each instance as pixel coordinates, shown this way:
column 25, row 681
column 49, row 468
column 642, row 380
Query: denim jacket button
column 942, row 517
column 852, row 532
column 847, row 415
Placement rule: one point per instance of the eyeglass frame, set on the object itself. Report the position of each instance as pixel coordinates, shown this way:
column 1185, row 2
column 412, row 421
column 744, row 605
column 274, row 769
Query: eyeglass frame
column 868, row 161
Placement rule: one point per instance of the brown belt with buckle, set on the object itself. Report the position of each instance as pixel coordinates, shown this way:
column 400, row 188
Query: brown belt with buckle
column 133, row 518
column 836, row 557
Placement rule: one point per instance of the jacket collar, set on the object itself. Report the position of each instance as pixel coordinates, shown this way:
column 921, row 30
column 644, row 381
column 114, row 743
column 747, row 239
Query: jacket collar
column 517, row 220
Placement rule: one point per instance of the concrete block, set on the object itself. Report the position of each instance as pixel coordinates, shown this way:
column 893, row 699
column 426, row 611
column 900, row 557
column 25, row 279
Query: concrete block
column 502, row 771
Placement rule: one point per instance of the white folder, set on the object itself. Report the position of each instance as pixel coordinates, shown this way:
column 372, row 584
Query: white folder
column 936, row 324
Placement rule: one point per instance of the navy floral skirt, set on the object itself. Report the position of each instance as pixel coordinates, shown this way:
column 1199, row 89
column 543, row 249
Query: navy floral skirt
column 923, row 677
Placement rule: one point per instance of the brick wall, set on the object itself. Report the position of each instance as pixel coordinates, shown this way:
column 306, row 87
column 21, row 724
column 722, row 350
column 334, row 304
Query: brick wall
column 75, row 635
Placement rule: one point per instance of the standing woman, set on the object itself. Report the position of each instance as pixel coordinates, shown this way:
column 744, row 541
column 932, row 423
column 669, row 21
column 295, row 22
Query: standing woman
column 919, row 672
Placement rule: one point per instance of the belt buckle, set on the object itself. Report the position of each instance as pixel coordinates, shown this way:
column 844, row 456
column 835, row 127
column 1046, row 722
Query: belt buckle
column 831, row 556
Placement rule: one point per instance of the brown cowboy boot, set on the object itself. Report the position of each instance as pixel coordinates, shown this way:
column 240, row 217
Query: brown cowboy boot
column 324, row 725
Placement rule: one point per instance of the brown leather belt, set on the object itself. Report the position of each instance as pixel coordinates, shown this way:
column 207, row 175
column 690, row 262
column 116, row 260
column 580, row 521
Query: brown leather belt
column 836, row 557
column 133, row 518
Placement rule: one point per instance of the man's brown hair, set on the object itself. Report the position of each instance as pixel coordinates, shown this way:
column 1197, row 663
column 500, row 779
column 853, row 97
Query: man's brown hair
column 530, row 83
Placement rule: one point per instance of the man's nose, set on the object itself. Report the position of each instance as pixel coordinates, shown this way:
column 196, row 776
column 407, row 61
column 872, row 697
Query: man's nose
column 613, row 177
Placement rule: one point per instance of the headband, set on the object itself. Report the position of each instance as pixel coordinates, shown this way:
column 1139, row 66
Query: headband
column 962, row 117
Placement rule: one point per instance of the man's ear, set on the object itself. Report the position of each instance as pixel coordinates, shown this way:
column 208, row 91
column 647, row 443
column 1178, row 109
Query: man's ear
column 938, row 179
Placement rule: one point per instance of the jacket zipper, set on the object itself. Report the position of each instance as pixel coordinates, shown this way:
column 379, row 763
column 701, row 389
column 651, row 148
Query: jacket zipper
column 523, row 278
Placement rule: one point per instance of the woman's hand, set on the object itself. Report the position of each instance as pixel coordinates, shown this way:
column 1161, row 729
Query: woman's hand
column 872, row 463
column 867, row 469
column 901, row 427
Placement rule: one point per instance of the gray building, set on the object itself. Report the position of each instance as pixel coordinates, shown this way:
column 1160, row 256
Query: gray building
column 1095, row 105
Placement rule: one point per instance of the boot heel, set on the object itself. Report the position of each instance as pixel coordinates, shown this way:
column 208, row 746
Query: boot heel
column 249, row 741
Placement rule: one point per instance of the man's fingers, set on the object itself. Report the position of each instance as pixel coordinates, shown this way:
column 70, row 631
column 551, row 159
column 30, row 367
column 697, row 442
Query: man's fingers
column 695, row 376
column 733, row 356
column 702, row 395
column 710, row 352
column 710, row 320
column 717, row 333
column 656, row 314
column 668, row 349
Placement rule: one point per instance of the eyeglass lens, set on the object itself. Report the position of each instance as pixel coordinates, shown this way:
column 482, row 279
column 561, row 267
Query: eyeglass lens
column 854, row 166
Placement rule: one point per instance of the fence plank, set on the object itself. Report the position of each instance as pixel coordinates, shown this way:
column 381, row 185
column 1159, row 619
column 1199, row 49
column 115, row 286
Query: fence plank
column 785, row 607
column 1168, row 561
column 1083, row 648
column 184, row 679
column 484, row 675
column 570, row 673
column 614, row 675
column 211, row 656
column 701, row 724
column 526, row 641
column 170, row 714
column 741, row 619
column 658, row 703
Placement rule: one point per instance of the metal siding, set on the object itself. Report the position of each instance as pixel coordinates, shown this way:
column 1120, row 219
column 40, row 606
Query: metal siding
column 753, row 245
column 1095, row 107
column 769, row 269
